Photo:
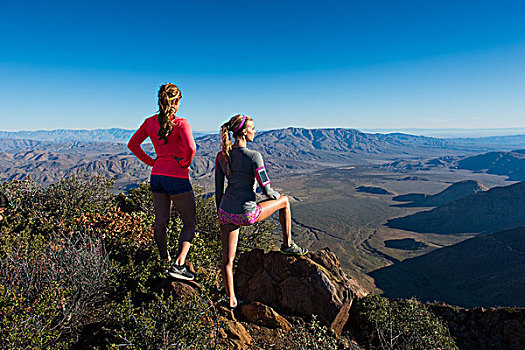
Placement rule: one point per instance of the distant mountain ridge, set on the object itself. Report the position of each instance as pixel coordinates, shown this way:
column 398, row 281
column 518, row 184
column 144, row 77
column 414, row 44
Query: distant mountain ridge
column 122, row 135
column 290, row 149
column 61, row 135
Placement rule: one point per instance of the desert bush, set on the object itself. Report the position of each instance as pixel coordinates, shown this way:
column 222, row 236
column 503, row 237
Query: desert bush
column 164, row 323
column 314, row 336
column 138, row 199
column 42, row 210
column 133, row 229
column 381, row 323
column 49, row 288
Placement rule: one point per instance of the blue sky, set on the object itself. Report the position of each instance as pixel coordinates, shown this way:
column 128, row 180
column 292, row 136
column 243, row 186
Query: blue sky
column 356, row 64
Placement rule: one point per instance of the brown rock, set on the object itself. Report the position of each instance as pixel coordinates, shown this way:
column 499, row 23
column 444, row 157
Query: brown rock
column 235, row 332
column 265, row 316
column 342, row 317
column 313, row 284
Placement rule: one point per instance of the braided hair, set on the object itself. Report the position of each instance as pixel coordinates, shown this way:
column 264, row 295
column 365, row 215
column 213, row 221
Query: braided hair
column 169, row 95
column 235, row 125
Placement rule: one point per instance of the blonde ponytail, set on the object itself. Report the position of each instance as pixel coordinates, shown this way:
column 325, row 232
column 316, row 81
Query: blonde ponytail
column 236, row 125
column 226, row 146
column 167, row 93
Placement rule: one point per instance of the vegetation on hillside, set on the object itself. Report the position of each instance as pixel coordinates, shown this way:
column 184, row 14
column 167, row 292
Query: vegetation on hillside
column 79, row 267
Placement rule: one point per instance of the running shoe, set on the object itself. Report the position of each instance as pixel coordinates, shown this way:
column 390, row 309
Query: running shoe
column 180, row 272
column 293, row 249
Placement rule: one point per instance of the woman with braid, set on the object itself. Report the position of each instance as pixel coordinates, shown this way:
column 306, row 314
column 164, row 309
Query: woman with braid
column 244, row 169
column 175, row 148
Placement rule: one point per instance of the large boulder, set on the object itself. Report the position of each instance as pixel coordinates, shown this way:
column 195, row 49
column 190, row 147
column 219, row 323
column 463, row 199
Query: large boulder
column 313, row 284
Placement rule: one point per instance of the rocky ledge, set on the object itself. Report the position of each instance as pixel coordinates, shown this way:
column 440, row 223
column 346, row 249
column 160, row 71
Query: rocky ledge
column 313, row 284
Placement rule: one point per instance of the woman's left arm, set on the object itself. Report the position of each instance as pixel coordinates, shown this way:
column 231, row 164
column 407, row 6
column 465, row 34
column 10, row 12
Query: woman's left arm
column 188, row 144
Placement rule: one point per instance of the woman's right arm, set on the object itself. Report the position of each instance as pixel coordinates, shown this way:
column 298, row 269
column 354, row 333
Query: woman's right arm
column 134, row 145
column 219, row 182
column 262, row 177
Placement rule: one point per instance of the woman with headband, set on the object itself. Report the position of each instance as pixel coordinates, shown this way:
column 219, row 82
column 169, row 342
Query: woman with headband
column 175, row 148
column 237, row 206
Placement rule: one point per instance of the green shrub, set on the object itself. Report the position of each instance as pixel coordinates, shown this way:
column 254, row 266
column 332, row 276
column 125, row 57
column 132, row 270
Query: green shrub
column 163, row 323
column 380, row 323
column 54, row 275
column 58, row 207
column 314, row 336
column 137, row 199
column 50, row 288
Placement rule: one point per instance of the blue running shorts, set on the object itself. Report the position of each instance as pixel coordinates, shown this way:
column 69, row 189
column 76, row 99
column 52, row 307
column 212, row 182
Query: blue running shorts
column 170, row 185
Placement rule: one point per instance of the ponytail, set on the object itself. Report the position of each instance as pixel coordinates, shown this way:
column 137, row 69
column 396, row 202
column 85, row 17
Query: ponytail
column 167, row 94
column 226, row 146
column 235, row 125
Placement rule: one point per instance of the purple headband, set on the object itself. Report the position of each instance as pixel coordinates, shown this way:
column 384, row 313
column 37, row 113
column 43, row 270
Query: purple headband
column 240, row 126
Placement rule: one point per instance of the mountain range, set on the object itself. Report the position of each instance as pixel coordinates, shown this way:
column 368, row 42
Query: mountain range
column 284, row 150
column 60, row 135
column 511, row 164
column 291, row 149
column 47, row 162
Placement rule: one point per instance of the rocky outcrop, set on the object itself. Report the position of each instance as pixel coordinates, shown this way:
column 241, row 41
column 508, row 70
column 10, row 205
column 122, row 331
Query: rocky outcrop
column 310, row 285
column 239, row 338
column 481, row 328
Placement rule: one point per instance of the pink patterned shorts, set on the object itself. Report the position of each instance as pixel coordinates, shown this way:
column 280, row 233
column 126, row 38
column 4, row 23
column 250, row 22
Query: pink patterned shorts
column 239, row 219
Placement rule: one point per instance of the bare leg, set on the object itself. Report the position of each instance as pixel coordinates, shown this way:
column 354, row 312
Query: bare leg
column 285, row 216
column 185, row 205
column 229, row 238
column 162, row 205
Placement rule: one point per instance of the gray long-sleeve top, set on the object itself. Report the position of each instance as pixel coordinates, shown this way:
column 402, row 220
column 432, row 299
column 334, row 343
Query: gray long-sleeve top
column 247, row 169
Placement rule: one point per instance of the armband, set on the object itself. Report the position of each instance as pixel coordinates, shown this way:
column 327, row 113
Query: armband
column 262, row 176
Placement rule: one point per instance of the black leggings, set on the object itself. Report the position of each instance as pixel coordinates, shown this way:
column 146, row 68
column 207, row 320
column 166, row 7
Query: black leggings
column 185, row 205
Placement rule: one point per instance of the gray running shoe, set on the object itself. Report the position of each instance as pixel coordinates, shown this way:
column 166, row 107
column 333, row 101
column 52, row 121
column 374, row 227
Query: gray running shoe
column 293, row 249
column 180, row 272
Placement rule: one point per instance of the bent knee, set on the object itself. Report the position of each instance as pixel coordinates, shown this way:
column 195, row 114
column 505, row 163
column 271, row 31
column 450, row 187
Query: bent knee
column 284, row 200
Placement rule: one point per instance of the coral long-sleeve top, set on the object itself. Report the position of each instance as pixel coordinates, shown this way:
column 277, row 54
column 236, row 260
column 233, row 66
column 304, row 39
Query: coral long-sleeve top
column 174, row 157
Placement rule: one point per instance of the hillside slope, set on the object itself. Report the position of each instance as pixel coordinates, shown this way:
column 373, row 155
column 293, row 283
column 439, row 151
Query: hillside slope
column 511, row 164
column 487, row 270
column 454, row 192
column 497, row 209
